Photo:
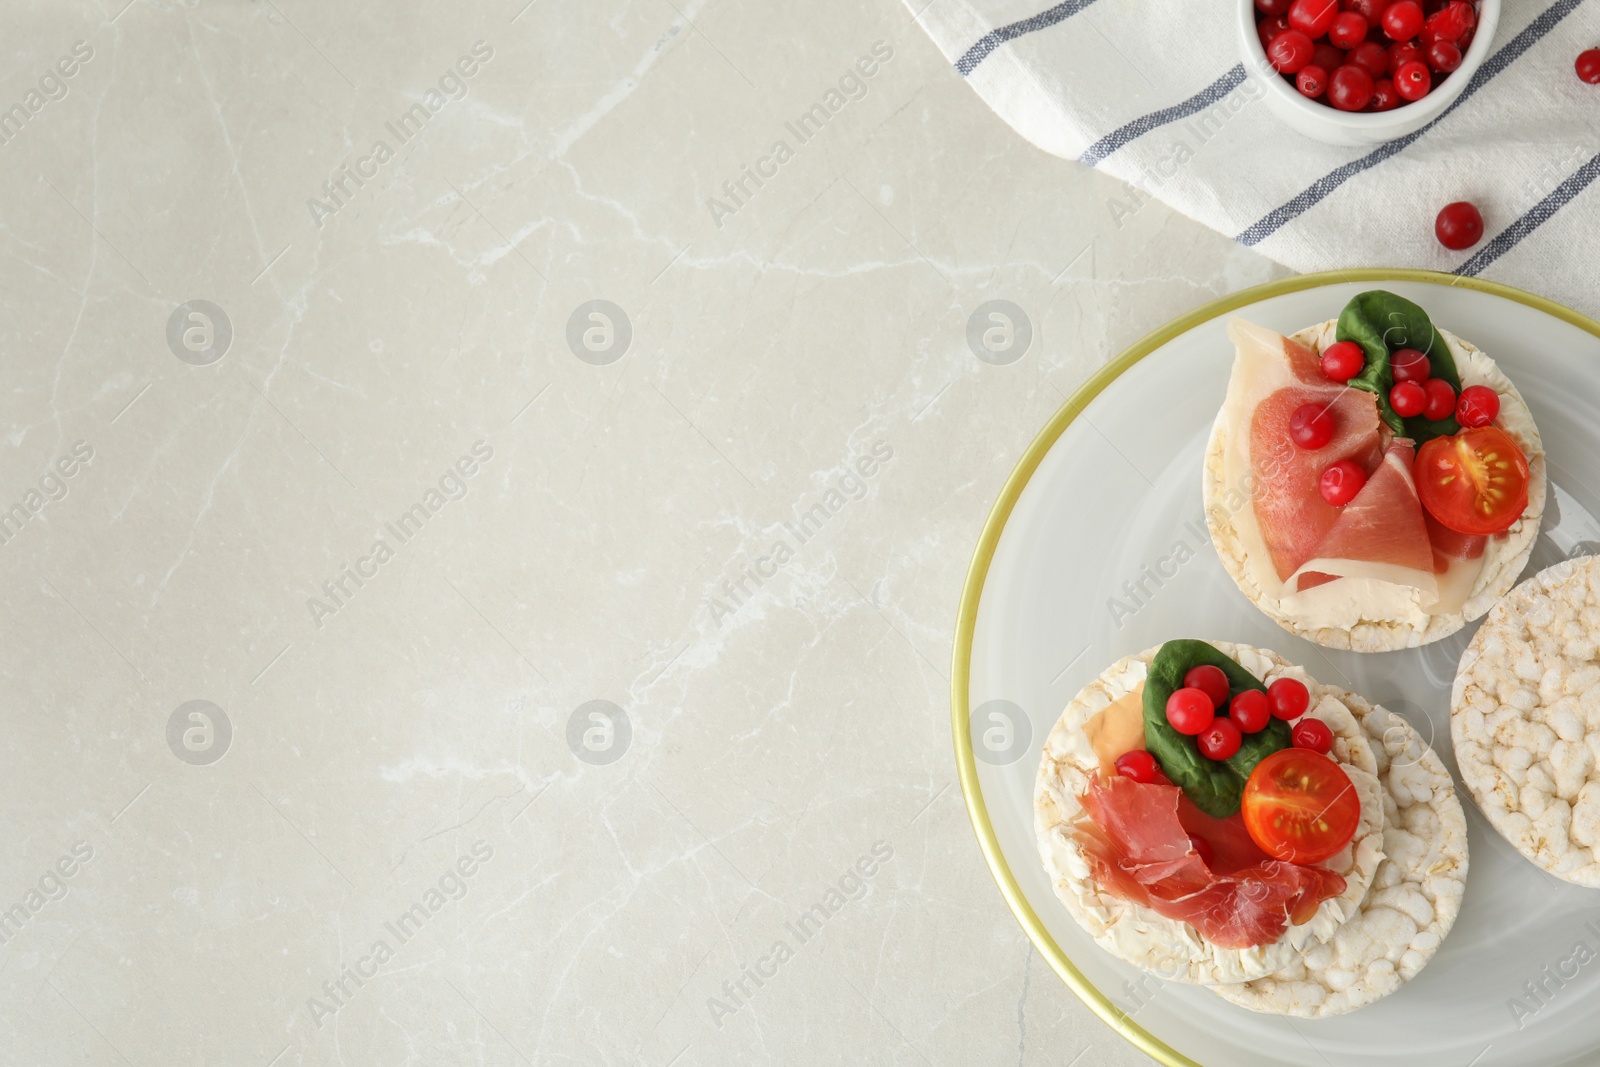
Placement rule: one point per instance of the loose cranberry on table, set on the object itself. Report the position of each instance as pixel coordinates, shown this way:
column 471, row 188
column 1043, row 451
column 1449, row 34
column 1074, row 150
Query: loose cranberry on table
column 1288, row 698
column 1350, row 88
column 1313, row 734
column 1210, row 681
column 1440, row 402
column 1220, row 740
column 1343, row 360
column 1250, row 712
column 1409, row 365
column 1138, row 765
column 1189, row 711
column 1477, row 406
column 1459, row 225
column 1311, row 426
column 1588, row 66
column 1408, row 399
column 1341, row 482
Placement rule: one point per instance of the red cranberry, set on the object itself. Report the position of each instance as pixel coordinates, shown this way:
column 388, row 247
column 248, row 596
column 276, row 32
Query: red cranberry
column 1370, row 57
column 1312, row 81
column 1459, row 225
column 1350, row 88
column 1402, row 20
column 1444, row 57
column 1313, row 17
column 1289, row 51
column 1588, row 66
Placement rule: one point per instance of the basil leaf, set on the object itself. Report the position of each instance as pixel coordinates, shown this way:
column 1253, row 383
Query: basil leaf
column 1383, row 323
column 1214, row 786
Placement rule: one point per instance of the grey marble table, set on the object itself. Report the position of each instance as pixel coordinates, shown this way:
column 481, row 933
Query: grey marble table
column 485, row 490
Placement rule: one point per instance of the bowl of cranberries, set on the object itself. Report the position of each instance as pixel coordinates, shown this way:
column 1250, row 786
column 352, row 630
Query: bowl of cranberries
column 1356, row 72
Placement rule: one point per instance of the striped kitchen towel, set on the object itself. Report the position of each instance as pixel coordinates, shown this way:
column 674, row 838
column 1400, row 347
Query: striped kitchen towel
column 1155, row 93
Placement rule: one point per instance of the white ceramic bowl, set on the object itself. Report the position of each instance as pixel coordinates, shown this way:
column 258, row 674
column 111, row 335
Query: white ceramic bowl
column 1332, row 126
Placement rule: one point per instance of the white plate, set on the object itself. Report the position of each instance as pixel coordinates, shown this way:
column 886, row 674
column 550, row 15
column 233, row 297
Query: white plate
column 1109, row 496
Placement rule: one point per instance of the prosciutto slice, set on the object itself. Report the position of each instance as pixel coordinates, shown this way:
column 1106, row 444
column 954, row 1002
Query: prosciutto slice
column 1457, row 561
column 1273, row 376
column 1139, row 850
column 1450, row 547
column 1299, row 541
column 1380, row 534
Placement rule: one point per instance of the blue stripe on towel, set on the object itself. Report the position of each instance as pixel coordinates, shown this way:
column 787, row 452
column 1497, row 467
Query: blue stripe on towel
column 1537, row 216
column 997, row 37
column 1319, row 190
column 1144, row 124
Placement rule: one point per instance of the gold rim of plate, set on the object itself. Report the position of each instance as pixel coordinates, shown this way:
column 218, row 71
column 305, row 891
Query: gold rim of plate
column 983, row 556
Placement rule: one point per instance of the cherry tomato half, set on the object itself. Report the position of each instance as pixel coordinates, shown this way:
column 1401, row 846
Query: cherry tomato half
column 1299, row 806
column 1475, row 482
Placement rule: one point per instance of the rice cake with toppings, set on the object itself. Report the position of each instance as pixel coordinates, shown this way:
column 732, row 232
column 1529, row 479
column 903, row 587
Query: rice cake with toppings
column 1525, row 719
column 1414, row 899
column 1364, row 616
column 1170, row 948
